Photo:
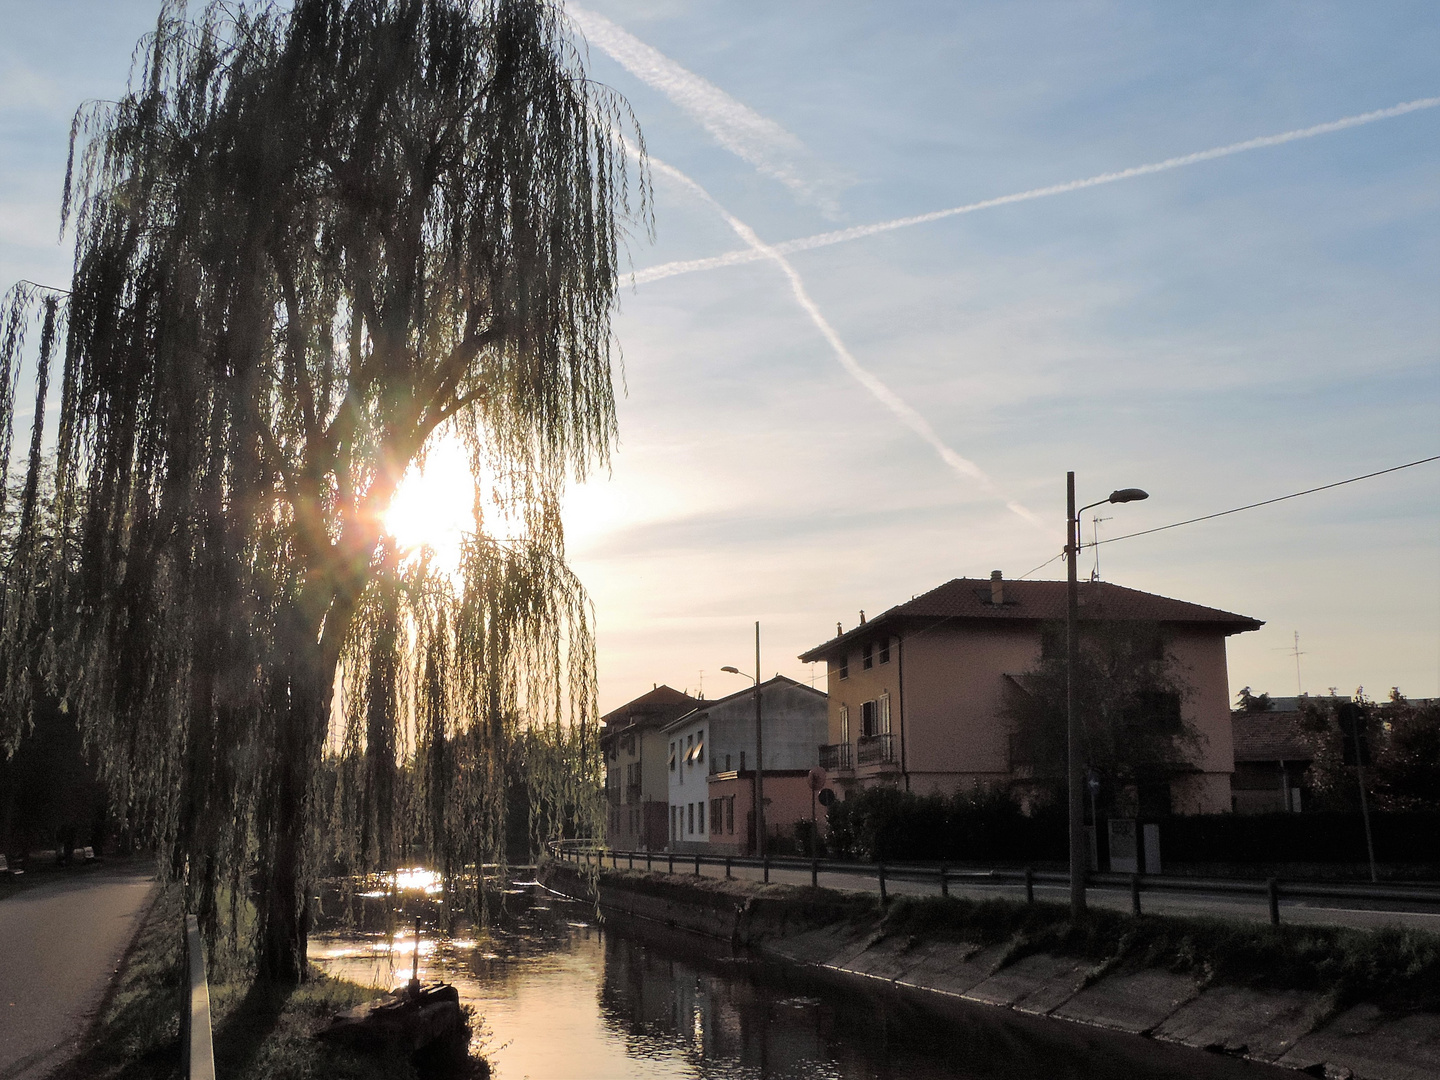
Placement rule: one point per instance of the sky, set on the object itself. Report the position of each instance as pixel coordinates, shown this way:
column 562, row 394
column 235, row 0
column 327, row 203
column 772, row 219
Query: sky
column 812, row 429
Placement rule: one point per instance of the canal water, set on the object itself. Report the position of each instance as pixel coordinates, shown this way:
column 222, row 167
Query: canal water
column 560, row 997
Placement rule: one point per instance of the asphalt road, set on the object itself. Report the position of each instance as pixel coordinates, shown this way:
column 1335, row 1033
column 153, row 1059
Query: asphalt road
column 1359, row 914
column 60, row 943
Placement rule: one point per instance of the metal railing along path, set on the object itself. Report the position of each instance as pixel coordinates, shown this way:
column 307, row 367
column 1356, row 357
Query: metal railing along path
column 883, row 874
column 199, row 1046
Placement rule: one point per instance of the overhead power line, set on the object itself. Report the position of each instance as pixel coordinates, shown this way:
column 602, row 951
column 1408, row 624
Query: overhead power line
column 1267, row 502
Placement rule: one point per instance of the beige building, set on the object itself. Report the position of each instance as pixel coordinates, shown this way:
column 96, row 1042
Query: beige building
column 637, row 775
column 916, row 694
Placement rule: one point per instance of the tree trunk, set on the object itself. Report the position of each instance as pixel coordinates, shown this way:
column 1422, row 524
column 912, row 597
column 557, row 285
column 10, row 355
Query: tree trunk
column 301, row 700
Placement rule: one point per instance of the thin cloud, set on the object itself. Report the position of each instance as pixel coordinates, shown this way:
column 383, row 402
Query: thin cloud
column 840, row 236
column 756, row 139
column 898, row 407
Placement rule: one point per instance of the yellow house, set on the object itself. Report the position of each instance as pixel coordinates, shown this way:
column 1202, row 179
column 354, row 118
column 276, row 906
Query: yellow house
column 916, row 694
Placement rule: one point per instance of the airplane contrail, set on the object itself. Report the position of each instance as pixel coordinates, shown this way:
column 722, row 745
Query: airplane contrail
column 840, row 236
column 762, row 142
column 897, row 405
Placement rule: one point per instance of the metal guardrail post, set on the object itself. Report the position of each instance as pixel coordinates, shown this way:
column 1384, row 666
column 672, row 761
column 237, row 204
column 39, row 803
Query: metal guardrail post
column 1029, row 885
column 672, row 862
column 632, row 859
column 765, row 862
column 814, row 873
column 199, row 1046
column 944, row 880
column 697, row 864
column 648, row 864
column 727, row 868
column 880, row 875
column 1135, row 894
column 1272, row 891
column 614, row 859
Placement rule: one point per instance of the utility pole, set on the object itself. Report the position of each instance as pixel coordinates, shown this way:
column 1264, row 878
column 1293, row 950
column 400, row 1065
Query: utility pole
column 759, row 757
column 1075, row 770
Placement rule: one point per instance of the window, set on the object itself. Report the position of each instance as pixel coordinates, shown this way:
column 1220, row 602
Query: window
column 700, row 747
column 690, row 807
column 882, row 714
column 672, row 757
column 727, row 762
column 700, row 818
column 884, row 650
column 844, row 723
column 1052, row 643
column 867, row 659
column 715, row 813
column 844, row 666
column 867, row 719
column 730, row 815
column 1160, row 709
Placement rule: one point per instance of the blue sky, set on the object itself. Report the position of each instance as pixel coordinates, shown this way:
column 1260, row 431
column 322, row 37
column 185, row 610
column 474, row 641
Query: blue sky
column 1218, row 333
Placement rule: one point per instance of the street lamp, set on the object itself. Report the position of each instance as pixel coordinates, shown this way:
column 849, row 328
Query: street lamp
column 1075, row 779
column 757, row 790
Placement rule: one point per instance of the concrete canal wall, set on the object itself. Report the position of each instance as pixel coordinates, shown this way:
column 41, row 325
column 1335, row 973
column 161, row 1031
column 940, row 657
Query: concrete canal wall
column 837, row 935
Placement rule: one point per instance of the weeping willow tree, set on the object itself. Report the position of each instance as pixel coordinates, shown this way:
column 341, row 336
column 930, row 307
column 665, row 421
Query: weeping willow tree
column 309, row 241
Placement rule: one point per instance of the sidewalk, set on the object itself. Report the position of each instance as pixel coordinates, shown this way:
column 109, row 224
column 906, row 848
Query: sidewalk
column 60, row 943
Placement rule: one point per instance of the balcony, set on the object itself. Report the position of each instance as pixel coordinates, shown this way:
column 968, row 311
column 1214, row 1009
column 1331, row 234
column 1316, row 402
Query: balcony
column 836, row 757
column 876, row 749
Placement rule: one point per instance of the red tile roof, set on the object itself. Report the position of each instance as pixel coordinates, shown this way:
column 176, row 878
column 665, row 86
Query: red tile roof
column 660, row 705
column 1271, row 736
column 968, row 599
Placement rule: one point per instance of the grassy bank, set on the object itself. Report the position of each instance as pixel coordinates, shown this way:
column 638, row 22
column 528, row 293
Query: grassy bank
column 262, row 1032
column 1392, row 968
column 1397, row 969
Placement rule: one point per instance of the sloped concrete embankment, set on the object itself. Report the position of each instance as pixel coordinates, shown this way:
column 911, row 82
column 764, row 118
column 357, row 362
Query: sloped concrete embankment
column 841, row 936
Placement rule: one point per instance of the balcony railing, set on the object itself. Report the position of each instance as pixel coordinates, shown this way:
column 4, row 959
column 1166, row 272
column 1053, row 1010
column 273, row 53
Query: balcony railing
column 876, row 749
column 836, row 756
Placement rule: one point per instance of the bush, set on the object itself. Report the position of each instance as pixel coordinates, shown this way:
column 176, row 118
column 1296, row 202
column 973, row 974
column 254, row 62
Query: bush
column 888, row 824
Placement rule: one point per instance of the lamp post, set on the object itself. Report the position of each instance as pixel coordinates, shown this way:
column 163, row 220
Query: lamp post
column 757, row 790
column 1075, row 778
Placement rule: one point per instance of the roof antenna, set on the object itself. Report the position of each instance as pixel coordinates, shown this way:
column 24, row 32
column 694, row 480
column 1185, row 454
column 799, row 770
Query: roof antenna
column 1095, row 520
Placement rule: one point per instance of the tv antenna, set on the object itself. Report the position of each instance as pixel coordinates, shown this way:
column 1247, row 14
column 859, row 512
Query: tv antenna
column 1294, row 650
column 1095, row 520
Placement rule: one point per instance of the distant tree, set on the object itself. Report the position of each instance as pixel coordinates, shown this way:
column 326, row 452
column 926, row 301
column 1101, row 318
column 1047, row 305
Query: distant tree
column 1130, row 698
column 1403, row 743
column 1247, row 702
column 308, row 239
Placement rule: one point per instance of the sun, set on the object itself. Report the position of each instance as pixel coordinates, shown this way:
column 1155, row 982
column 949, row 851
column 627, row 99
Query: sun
column 434, row 505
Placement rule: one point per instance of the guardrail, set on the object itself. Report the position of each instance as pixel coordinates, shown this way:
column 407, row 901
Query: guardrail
column 1272, row 889
column 199, row 1045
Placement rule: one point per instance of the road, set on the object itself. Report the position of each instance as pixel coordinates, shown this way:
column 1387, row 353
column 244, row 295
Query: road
column 60, row 943
column 1359, row 914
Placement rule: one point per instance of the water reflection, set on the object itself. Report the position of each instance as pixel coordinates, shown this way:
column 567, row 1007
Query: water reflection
column 560, row 998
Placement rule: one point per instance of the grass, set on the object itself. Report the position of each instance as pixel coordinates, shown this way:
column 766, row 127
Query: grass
column 261, row 1031
column 1392, row 968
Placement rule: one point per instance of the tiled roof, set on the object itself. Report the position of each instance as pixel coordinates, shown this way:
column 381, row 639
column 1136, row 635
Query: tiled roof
column 660, row 705
column 1270, row 736
column 969, row 599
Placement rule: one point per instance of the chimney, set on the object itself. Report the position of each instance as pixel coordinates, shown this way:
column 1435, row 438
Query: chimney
column 997, row 588
column 838, row 631
column 862, row 616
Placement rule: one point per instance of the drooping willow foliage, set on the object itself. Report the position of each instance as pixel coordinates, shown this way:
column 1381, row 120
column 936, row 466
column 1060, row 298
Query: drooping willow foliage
column 307, row 241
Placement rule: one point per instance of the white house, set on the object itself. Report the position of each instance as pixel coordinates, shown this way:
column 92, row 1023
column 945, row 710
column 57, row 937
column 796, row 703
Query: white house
column 711, row 759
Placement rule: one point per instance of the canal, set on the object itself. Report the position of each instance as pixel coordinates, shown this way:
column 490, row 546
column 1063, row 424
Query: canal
column 559, row 996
